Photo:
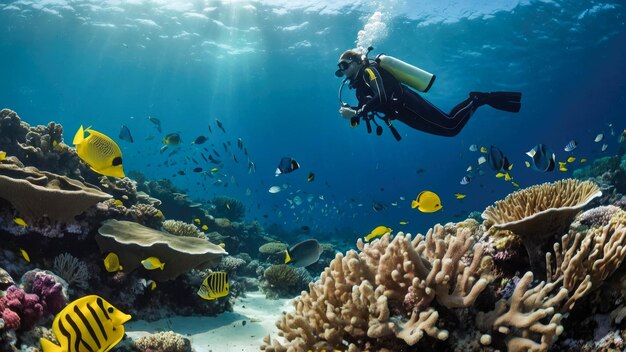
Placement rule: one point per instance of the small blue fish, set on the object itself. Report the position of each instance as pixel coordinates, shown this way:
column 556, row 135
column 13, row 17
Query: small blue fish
column 125, row 134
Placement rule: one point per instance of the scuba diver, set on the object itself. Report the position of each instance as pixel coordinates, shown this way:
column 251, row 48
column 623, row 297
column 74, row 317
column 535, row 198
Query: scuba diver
column 382, row 87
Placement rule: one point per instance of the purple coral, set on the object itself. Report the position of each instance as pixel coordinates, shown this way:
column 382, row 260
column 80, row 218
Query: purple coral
column 11, row 319
column 26, row 306
column 598, row 216
column 49, row 291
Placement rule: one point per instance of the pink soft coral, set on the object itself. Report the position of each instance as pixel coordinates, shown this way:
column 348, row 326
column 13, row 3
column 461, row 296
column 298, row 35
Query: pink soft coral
column 26, row 306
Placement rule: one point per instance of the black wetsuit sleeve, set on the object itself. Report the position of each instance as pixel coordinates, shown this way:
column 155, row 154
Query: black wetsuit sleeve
column 373, row 79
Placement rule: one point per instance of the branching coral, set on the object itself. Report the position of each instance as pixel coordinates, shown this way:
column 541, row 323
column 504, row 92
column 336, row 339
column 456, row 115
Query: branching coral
column 540, row 214
column 351, row 305
column 181, row 228
column 72, row 270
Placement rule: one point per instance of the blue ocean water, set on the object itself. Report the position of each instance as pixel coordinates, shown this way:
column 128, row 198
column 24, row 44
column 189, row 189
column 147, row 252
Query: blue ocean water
column 265, row 70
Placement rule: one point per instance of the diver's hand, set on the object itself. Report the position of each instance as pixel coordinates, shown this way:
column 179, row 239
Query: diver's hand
column 347, row 113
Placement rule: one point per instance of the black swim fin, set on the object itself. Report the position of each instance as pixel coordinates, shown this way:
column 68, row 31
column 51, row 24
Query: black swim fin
column 506, row 101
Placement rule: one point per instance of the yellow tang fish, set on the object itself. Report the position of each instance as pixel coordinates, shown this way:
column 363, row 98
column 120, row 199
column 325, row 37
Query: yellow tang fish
column 112, row 263
column 196, row 220
column 571, row 159
column 204, row 227
column 377, row 232
column 118, row 203
column 100, row 152
column 88, row 324
column 507, row 177
column 25, row 255
column 3, row 155
column 499, row 175
column 427, row 202
column 20, row 222
column 222, row 244
column 459, row 196
column 483, row 150
column 152, row 263
column 215, row 285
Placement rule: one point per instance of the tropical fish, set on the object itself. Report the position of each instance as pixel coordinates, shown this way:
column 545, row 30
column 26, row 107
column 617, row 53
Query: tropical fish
column 197, row 169
column 571, row 145
column 562, row 166
column 215, row 285
column 404, row 223
column 622, row 137
column 112, row 263
column 100, row 152
column 497, row 160
column 152, row 263
column 377, row 206
column 465, row 180
column 125, row 134
column 163, row 149
column 473, row 148
column 251, row 167
column 87, row 324
column 287, row 165
column 459, row 196
column 215, row 169
column 148, row 283
column 583, row 160
column 274, row 189
column 483, row 150
column 604, row 146
column 20, row 222
column 3, row 155
column 219, row 124
column 25, row 255
column 543, row 159
column 172, row 139
column 599, row 138
column 199, row 140
column 427, row 202
column 379, row 231
column 156, row 122
column 527, row 163
column 482, row 160
column 240, row 143
column 196, row 220
column 571, row 159
column 118, row 203
column 303, row 254
column 469, row 168
column 310, row 177
column 204, row 227
column 514, row 184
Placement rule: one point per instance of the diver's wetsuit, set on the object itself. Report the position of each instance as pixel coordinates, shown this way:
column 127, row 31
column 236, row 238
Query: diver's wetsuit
column 378, row 91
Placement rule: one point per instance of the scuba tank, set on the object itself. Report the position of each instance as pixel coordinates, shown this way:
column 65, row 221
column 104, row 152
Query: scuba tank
column 410, row 75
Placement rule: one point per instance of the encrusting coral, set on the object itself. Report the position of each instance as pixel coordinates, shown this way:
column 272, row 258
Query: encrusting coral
column 538, row 215
column 181, row 228
column 382, row 297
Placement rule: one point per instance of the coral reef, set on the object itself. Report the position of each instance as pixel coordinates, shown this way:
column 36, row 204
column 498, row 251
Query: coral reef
column 167, row 341
column 20, row 310
column 133, row 243
column 273, row 252
column 51, row 289
column 539, row 214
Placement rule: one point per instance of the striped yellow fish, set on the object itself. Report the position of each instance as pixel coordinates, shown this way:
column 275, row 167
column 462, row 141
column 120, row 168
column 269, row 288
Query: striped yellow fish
column 88, row 324
column 100, row 152
column 215, row 285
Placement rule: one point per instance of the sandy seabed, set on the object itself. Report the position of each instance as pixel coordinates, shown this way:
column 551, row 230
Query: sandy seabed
column 226, row 332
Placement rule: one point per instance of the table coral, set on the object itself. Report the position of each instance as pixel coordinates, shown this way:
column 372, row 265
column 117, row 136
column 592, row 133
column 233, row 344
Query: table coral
column 540, row 214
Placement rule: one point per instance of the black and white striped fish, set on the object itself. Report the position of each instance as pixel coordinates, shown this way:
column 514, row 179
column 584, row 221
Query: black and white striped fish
column 214, row 286
column 571, row 146
column 88, row 324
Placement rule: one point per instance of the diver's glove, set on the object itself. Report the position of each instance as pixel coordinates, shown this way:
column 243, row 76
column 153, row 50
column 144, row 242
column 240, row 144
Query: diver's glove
column 347, row 113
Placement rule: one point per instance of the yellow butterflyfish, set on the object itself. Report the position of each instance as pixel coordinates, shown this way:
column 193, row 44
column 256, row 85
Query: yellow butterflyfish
column 152, row 263
column 215, row 285
column 100, row 152
column 75, row 326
